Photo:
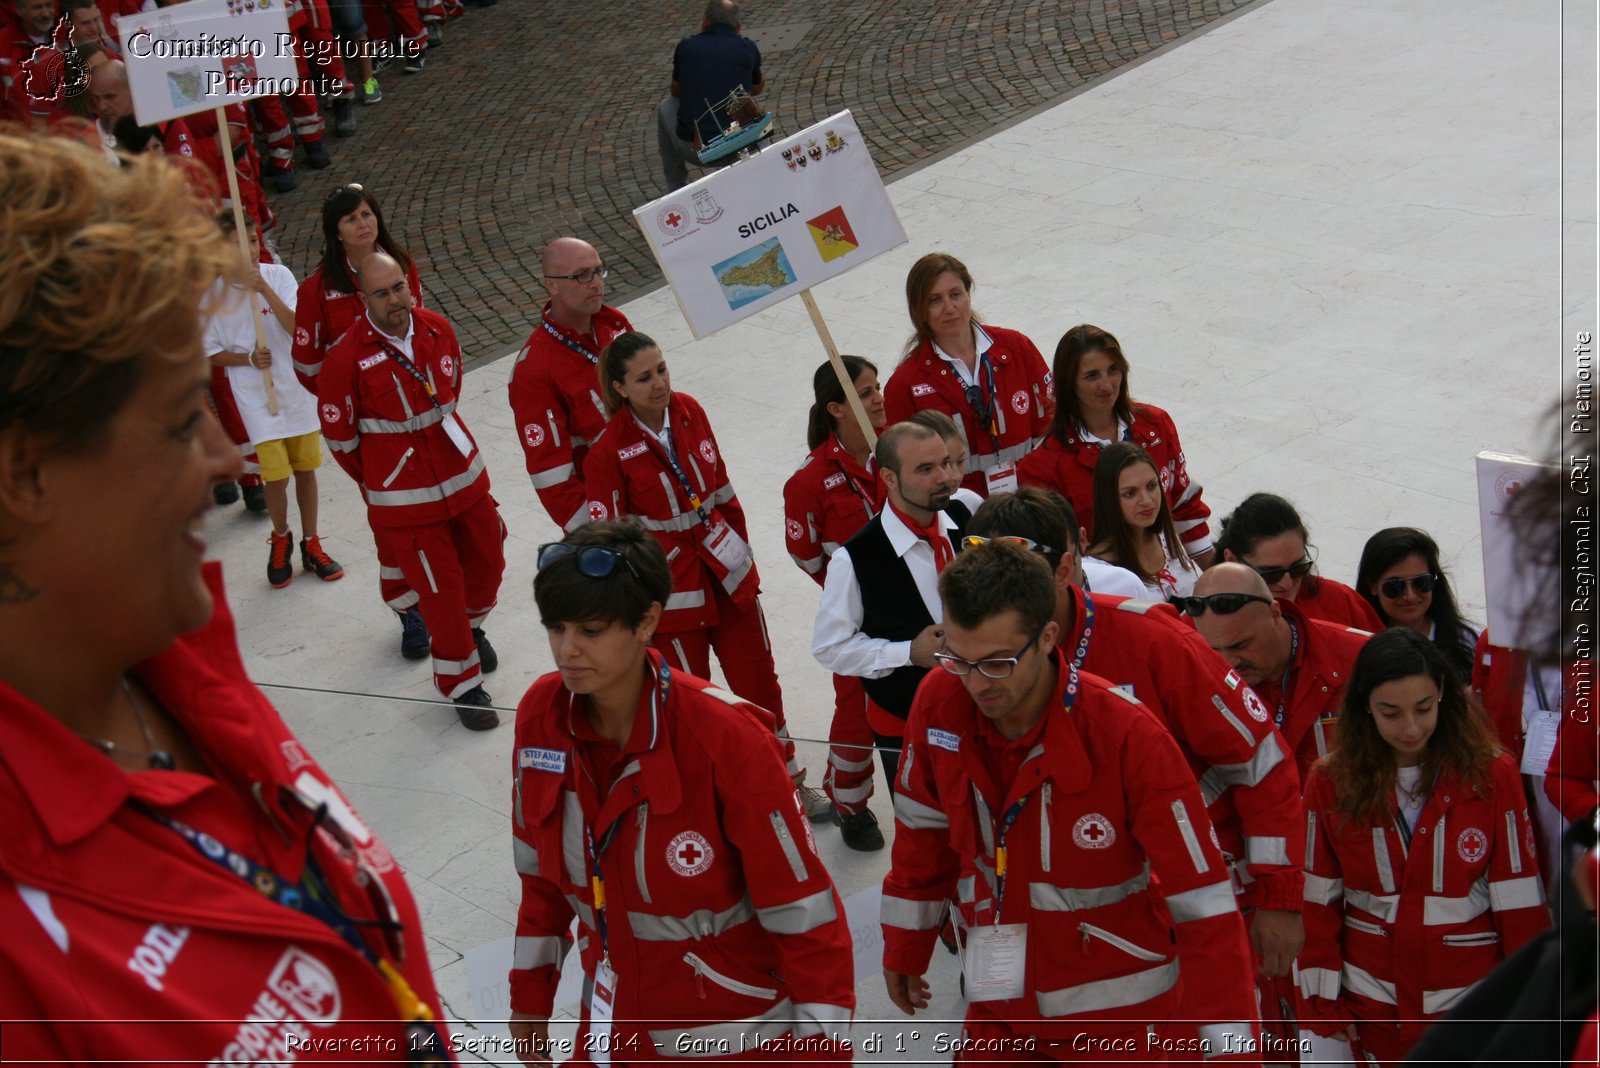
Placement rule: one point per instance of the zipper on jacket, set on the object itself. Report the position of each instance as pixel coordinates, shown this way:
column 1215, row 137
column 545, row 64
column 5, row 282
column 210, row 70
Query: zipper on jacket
column 1090, row 931
column 1482, row 938
column 704, row 971
column 1190, row 840
column 405, row 456
column 791, row 852
column 555, row 433
column 1363, row 925
column 1044, row 828
column 638, row 853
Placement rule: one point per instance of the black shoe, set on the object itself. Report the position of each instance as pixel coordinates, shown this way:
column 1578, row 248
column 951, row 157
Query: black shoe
column 947, row 935
column 488, row 660
column 255, row 499
column 225, row 492
column 344, row 117
column 414, row 639
column 282, row 179
column 317, row 156
column 415, row 63
column 280, row 559
column 860, row 831
column 472, row 708
column 316, row 560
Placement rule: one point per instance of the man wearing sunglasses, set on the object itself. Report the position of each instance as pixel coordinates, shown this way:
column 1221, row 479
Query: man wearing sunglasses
column 554, row 390
column 1296, row 666
column 1063, row 818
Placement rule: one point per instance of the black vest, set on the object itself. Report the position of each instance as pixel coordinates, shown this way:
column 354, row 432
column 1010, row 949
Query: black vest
column 891, row 607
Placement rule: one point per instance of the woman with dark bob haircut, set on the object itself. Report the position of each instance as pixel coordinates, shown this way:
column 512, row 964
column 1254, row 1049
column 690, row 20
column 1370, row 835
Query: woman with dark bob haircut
column 1421, row 871
column 1402, row 579
column 1093, row 408
column 1266, row 533
column 642, row 795
column 171, row 851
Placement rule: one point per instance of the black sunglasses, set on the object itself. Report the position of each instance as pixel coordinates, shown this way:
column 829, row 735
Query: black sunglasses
column 1272, row 575
column 979, row 402
column 1396, row 587
column 595, row 561
column 1223, row 604
column 353, row 187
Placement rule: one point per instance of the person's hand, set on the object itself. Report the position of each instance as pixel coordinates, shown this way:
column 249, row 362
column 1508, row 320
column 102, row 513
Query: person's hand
column 1346, row 1035
column 260, row 283
column 530, row 1036
column 924, row 645
column 1278, row 936
column 261, row 357
column 908, row 992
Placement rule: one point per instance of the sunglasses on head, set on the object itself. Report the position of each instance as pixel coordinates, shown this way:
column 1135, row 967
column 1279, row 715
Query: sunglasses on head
column 1272, row 575
column 1223, row 604
column 595, row 561
column 1396, row 587
column 353, row 187
column 972, row 541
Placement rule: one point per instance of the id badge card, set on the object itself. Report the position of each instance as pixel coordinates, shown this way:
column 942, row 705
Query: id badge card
column 1540, row 741
column 457, row 435
column 995, row 961
column 727, row 547
column 600, row 1006
column 1001, row 479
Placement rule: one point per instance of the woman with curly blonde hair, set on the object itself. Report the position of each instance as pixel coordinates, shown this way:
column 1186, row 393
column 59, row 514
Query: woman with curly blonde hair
column 171, row 852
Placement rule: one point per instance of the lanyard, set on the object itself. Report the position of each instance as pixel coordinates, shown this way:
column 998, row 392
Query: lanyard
column 312, row 897
column 671, row 459
column 985, row 366
column 1538, row 685
column 1288, row 674
column 569, row 343
column 1088, row 628
column 850, row 481
column 400, row 358
column 597, row 850
column 1068, row 695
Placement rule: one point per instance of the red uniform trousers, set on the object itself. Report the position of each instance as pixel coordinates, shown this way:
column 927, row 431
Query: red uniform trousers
column 739, row 638
column 394, row 18
column 272, row 119
column 454, row 569
column 1385, row 1045
column 848, row 780
column 989, row 1039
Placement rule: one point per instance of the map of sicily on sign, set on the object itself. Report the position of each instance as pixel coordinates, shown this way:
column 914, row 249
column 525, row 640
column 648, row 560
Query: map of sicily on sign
column 807, row 208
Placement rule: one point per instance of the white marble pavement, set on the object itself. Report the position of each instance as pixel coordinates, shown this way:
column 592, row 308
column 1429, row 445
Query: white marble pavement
column 1330, row 237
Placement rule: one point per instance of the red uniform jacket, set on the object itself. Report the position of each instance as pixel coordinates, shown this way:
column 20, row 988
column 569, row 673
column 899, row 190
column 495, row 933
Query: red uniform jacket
column 388, row 435
column 1572, row 781
column 1110, row 854
column 555, row 399
column 1398, row 932
column 825, row 502
column 1022, row 405
column 627, row 474
column 110, row 915
column 1242, row 763
column 1321, row 665
column 720, row 918
column 1069, row 470
column 1334, row 602
column 1499, row 678
column 322, row 315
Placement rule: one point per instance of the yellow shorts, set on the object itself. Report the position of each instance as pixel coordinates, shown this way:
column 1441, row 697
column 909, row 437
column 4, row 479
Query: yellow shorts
column 284, row 456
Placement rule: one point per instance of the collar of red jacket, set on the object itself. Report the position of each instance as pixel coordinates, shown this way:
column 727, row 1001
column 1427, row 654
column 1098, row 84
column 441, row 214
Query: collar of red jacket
column 649, row 743
column 74, row 789
column 424, row 323
column 607, row 315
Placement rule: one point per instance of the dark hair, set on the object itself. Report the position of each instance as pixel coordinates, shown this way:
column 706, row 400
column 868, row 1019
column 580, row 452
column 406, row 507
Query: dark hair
column 566, row 595
column 1111, row 533
column 339, row 204
column 1033, row 512
column 827, row 389
column 1077, row 343
column 1362, row 765
column 935, row 420
column 887, row 451
column 919, row 282
column 723, row 13
column 1255, row 519
column 613, row 366
column 1549, row 528
column 1387, row 548
column 984, row 581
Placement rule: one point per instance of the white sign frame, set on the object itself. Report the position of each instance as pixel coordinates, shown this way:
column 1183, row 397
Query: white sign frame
column 198, row 45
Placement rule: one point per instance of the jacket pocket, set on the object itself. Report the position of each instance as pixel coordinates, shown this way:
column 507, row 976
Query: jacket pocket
column 1367, row 928
column 638, row 854
column 1482, row 938
column 1090, row 931
column 704, row 971
column 404, row 457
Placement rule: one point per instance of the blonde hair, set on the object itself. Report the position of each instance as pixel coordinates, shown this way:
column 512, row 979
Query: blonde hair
column 99, row 260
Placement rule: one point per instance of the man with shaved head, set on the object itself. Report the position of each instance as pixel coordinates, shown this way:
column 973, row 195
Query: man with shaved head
column 554, row 387
column 388, row 392
column 1297, row 666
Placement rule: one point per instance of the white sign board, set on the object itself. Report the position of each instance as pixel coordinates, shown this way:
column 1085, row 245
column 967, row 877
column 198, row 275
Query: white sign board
column 745, row 237
column 1511, row 581
column 199, row 56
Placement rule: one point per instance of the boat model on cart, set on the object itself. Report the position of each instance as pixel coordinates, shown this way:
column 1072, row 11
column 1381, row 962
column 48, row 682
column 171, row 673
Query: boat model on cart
column 747, row 124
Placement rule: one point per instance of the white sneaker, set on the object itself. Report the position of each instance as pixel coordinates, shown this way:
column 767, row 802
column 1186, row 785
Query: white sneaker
column 818, row 808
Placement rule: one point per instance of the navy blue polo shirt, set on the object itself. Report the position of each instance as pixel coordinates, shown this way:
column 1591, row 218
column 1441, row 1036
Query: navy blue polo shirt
column 707, row 67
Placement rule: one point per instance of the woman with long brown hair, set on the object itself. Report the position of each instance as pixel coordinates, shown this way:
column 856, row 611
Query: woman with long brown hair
column 1421, row 868
column 1133, row 525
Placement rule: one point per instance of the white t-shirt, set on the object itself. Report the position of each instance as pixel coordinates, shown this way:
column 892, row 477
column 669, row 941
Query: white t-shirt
column 1409, row 794
column 231, row 331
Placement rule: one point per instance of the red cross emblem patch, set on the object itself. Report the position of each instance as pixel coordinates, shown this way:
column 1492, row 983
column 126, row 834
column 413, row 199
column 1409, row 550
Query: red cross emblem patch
column 689, row 854
column 1093, row 831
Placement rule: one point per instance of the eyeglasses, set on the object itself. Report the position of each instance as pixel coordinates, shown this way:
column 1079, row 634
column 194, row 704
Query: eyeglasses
column 583, row 278
column 595, row 561
column 979, row 402
column 1396, row 587
column 1273, row 575
column 972, row 541
column 353, row 187
column 1223, row 604
column 995, row 667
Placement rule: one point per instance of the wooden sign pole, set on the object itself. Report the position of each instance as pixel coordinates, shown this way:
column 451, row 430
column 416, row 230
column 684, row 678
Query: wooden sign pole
column 839, row 368
column 251, row 255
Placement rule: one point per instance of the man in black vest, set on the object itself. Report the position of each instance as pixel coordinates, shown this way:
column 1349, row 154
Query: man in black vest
column 878, row 617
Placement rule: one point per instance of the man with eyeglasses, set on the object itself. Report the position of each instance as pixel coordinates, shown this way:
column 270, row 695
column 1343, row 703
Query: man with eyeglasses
column 554, row 386
column 388, row 392
column 1296, row 666
column 1065, row 821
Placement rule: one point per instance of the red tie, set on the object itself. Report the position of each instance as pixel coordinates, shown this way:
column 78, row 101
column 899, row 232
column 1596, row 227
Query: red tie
column 943, row 554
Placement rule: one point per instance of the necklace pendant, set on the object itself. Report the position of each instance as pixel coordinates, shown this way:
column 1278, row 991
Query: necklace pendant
column 161, row 760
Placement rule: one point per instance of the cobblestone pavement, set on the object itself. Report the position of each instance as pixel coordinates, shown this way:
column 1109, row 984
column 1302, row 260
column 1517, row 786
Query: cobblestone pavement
column 536, row 118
